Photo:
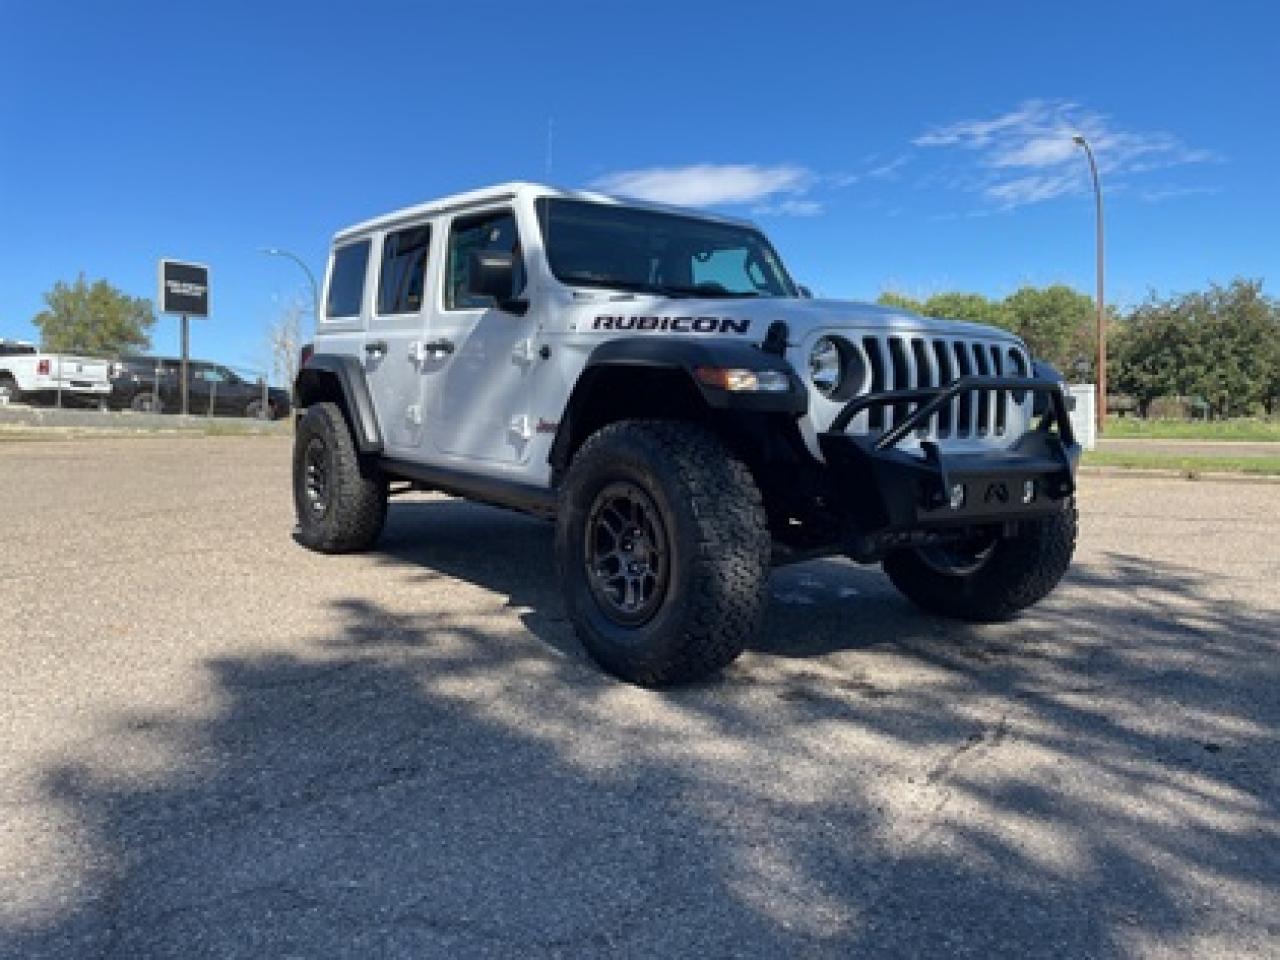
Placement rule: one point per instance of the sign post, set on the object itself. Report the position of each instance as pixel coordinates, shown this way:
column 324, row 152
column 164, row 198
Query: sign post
column 184, row 290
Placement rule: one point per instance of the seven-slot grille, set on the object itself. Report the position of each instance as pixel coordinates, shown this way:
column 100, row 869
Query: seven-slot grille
column 902, row 362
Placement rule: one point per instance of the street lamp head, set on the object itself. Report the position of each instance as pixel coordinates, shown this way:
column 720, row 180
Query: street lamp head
column 1078, row 139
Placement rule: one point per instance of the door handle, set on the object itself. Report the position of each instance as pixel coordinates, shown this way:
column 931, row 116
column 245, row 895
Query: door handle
column 375, row 346
column 438, row 346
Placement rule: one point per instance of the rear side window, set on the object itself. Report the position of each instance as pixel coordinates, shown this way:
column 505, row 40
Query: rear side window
column 404, row 270
column 346, row 280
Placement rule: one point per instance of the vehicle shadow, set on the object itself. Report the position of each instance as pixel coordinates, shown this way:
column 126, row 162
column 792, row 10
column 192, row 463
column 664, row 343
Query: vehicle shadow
column 513, row 556
column 1099, row 779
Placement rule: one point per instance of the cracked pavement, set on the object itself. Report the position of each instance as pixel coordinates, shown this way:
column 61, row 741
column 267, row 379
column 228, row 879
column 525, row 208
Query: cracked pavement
column 220, row 745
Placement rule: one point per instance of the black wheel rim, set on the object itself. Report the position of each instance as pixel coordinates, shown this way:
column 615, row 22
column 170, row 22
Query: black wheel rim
column 627, row 556
column 315, row 465
column 958, row 559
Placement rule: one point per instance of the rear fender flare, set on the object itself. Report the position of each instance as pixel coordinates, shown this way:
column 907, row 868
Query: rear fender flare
column 341, row 378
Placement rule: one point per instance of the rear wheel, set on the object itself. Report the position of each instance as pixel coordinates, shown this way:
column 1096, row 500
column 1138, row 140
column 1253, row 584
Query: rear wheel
column 991, row 579
column 663, row 551
column 340, row 500
column 146, row 402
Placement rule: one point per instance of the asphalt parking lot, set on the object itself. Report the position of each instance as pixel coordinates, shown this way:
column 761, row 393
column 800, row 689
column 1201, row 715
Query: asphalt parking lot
column 219, row 745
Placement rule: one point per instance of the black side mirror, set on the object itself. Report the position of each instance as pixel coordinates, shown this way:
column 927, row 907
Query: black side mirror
column 492, row 273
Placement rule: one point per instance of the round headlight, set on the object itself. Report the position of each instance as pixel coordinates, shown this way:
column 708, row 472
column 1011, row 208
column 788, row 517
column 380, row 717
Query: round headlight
column 826, row 366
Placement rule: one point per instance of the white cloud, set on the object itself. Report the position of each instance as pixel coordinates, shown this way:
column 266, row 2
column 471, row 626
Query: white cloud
column 1027, row 154
column 1161, row 194
column 889, row 171
column 704, row 184
column 789, row 208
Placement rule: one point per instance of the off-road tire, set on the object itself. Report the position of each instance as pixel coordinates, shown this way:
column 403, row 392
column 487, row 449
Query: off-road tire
column 146, row 402
column 716, row 536
column 354, row 506
column 1019, row 572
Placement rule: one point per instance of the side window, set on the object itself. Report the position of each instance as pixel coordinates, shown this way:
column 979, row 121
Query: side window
column 346, row 280
column 490, row 231
column 404, row 269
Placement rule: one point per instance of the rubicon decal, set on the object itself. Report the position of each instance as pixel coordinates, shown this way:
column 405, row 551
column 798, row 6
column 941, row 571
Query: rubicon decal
column 720, row 325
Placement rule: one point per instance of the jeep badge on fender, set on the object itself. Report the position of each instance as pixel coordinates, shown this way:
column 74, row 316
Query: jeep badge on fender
column 654, row 381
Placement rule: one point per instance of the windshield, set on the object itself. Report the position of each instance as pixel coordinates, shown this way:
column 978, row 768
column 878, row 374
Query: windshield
column 624, row 248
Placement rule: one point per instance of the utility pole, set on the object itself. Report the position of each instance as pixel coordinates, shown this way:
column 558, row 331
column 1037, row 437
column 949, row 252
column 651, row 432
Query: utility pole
column 186, row 360
column 1100, row 401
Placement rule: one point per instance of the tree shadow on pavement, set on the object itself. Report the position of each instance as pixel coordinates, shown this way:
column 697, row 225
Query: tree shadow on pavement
column 1096, row 779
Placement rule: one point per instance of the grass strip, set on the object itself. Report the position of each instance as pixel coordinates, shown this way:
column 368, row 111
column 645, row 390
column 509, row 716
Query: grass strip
column 1190, row 466
column 1129, row 428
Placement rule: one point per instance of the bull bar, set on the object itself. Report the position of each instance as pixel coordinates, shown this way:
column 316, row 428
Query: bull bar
column 889, row 498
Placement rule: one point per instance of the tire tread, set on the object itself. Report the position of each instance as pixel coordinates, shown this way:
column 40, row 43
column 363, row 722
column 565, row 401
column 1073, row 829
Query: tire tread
column 359, row 509
column 731, row 554
column 1022, row 572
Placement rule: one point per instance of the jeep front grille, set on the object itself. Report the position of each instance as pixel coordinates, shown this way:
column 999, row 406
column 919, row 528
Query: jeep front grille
column 905, row 362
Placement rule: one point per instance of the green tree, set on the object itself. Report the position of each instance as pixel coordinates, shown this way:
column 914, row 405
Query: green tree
column 1237, row 333
column 973, row 307
column 1222, row 345
column 1058, row 324
column 891, row 298
column 952, row 305
column 94, row 318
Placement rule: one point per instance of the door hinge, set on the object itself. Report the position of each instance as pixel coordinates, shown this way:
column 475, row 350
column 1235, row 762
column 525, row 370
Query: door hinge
column 523, row 351
column 522, row 426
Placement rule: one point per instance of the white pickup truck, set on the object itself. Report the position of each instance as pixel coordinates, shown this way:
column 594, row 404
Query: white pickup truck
column 27, row 374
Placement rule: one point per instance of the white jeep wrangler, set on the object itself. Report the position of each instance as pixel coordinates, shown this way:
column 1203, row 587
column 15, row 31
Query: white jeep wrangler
column 653, row 380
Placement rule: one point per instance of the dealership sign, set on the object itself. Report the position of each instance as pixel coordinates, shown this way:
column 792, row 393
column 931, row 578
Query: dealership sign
column 184, row 288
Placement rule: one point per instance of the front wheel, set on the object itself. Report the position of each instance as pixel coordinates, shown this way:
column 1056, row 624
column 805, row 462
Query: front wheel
column 986, row 581
column 340, row 501
column 662, row 548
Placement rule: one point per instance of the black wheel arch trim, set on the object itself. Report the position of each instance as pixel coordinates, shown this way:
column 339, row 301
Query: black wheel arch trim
column 687, row 354
column 682, row 356
column 348, row 372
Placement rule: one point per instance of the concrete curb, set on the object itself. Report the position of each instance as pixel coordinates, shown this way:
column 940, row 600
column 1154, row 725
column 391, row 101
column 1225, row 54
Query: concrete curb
column 1149, row 473
column 128, row 422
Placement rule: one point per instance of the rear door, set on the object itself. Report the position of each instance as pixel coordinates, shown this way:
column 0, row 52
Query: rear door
column 201, row 381
column 393, row 344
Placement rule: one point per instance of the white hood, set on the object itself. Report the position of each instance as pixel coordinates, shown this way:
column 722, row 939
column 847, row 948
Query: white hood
column 612, row 313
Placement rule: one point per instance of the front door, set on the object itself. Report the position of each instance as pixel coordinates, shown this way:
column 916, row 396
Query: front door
column 480, row 381
column 393, row 356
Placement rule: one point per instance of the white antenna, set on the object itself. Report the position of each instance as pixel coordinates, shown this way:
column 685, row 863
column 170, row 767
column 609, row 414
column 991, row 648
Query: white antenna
column 551, row 132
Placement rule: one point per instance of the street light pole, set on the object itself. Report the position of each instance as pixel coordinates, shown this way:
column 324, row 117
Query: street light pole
column 315, row 290
column 1100, row 400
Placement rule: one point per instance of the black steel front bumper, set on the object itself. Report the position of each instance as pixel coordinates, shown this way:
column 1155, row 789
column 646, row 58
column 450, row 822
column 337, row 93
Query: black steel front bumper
column 890, row 498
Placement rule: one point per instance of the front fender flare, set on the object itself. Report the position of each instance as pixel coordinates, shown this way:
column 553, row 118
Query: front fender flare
column 687, row 355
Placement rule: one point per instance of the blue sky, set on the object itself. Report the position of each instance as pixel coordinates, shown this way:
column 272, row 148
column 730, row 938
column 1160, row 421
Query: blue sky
column 920, row 147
